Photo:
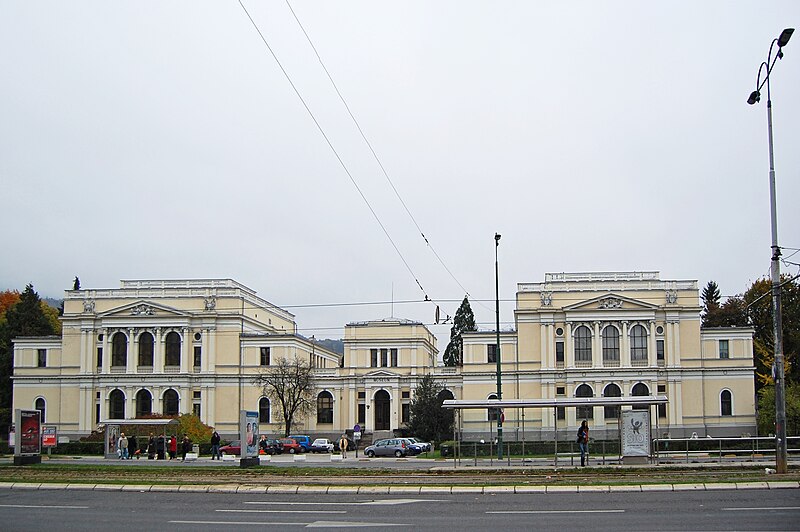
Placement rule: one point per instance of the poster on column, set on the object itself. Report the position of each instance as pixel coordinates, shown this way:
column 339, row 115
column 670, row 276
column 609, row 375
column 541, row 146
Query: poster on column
column 635, row 433
column 28, row 435
column 248, row 431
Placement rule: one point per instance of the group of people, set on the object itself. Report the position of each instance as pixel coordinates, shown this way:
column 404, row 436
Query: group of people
column 158, row 448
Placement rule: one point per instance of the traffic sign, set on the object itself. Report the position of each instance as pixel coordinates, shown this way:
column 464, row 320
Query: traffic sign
column 357, row 428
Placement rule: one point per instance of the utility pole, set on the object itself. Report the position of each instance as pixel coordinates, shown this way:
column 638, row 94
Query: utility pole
column 499, row 379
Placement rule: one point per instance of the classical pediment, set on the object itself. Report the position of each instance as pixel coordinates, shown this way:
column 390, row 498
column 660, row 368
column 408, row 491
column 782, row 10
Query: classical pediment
column 143, row 308
column 381, row 373
column 611, row 301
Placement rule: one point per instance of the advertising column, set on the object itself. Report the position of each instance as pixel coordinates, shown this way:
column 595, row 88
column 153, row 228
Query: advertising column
column 635, row 436
column 28, row 443
column 249, row 436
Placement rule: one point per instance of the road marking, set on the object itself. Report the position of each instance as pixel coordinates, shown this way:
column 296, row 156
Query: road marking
column 349, row 524
column 284, row 511
column 557, row 512
column 228, row 523
column 761, row 508
column 386, row 502
column 43, row 506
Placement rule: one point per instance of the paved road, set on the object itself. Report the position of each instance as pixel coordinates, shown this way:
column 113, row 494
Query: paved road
column 119, row 511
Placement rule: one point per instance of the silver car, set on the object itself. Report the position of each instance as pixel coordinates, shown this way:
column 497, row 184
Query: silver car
column 388, row 447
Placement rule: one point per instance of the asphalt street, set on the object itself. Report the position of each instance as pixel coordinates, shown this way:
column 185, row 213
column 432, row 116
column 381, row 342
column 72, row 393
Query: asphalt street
column 96, row 510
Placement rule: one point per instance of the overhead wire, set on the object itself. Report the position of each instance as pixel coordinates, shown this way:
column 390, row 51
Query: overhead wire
column 333, row 149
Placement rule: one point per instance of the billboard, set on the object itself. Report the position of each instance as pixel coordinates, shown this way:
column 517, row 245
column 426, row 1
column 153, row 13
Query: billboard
column 248, row 433
column 635, row 433
column 49, row 437
column 28, row 434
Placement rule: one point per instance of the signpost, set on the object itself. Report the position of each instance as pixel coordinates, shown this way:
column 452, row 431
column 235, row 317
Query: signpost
column 356, row 436
column 49, row 438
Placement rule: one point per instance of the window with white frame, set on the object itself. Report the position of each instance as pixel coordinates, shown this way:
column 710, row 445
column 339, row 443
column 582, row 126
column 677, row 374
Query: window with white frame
column 723, row 349
column 583, row 344
column 726, row 403
column 610, row 344
column 638, row 344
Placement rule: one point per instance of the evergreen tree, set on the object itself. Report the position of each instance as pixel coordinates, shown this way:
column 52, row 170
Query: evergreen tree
column 710, row 297
column 429, row 421
column 463, row 321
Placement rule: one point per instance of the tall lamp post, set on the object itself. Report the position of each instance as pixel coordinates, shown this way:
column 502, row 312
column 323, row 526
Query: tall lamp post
column 499, row 381
column 775, row 269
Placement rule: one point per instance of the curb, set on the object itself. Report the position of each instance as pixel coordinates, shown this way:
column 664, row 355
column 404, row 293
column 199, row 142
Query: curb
column 386, row 490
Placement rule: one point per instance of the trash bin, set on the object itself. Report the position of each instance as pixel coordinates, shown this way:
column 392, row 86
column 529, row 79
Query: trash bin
column 196, row 449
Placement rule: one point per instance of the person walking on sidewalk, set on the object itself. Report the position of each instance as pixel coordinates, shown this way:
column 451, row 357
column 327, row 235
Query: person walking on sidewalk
column 215, row 439
column 122, row 445
column 343, row 446
column 583, row 441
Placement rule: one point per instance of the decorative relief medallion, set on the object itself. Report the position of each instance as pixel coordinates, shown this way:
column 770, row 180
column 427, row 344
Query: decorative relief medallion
column 672, row 296
column 88, row 305
column 143, row 310
column 211, row 303
column 547, row 298
column 611, row 302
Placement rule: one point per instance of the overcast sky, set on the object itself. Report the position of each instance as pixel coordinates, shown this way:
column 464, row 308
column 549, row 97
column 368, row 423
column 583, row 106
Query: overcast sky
column 152, row 140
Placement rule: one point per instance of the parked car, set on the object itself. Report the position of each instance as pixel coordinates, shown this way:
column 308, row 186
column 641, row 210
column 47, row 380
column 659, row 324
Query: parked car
column 270, row 447
column 388, row 447
column 351, row 445
column 291, row 446
column 413, row 448
column 322, row 445
column 426, row 447
column 234, row 448
column 303, row 441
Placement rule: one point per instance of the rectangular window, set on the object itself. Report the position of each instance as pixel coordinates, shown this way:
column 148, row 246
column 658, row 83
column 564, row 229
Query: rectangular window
column 362, row 413
column 394, row 357
column 373, row 356
column 384, row 358
column 198, row 356
column 41, row 358
column 560, row 353
column 265, row 356
column 197, row 395
column 97, row 413
column 99, row 357
column 491, row 353
column 723, row 349
column 662, row 409
column 660, row 350
column 362, row 395
column 561, row 412
column 406, row 414
column 196, row 409
column 561, row 390
column 406, row 395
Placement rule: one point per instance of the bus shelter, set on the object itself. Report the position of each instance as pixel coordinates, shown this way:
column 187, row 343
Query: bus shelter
column 648, row 402
column 162, row 429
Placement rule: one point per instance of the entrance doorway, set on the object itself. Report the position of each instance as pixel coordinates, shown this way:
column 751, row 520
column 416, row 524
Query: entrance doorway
column 382, row 410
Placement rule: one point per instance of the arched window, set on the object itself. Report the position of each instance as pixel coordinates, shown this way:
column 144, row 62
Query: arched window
column 144, row 403
column 640, row 390
column 116, row 405
column 146, row 349
column 638, row 344
column 173, row 349
column 726, row 403
column 445, row 395
column 583, row 344
column 611, row 412
column 170, row 403
column 263, row 410
column 611, row 345
column 324, row 407
column 492, row 413
column 584, row 412
column 41, row 406
column 119, row 350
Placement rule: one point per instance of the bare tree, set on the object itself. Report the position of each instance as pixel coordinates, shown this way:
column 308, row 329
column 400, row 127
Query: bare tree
column 289, row 384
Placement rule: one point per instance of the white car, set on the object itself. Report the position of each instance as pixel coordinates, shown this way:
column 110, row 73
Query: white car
column 322, row 445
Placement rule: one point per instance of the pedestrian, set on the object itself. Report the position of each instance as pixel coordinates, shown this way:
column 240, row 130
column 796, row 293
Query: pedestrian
column 343, row 446
column 583, row 441
column 215, row 446
column 160, row 447
column 262, row 445
column 151, row 447
column 173, row 447
column 133, row 447
column 122, row 445
column 186, row 446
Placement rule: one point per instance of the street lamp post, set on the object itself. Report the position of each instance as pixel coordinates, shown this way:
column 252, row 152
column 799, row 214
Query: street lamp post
column 497, row 355
column 775, row 268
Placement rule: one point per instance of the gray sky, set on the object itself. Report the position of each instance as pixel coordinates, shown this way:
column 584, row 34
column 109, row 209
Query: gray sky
column 161, row 140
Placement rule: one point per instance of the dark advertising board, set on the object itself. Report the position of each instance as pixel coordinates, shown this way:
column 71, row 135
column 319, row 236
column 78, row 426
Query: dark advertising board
column 28, row 432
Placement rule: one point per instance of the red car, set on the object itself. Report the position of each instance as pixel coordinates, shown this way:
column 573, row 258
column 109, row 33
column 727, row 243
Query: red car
column 234, row 448
column 291, row 446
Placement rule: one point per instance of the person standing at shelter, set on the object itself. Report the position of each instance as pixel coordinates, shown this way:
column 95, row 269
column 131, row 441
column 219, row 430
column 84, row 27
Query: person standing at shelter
column 173, row 447
column 186, row 446
column 133, row 447
column 343, row 446
column 151, row 447
column 215, row 446
column 122, row 445
column 583, row 441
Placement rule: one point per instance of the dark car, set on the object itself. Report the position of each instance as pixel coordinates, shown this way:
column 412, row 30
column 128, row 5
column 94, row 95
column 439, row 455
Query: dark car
column 234, row 448
column 291, row 446
column 388, row 447
column 268, row 446
column 413, row 448
column 303, row 441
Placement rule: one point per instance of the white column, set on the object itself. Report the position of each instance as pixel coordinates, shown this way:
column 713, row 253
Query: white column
column 210, row 406
column 185, row 347
column 651, row 344
column 597, row 346
column 625, row 355
column 676, row 342
column 204, row 351
column 569, row 351
column 544, row 352
column 133, row 352
column 106, row 369
column 130, row 402
column 85, row 367
column 396, row 408
column 158, row 352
